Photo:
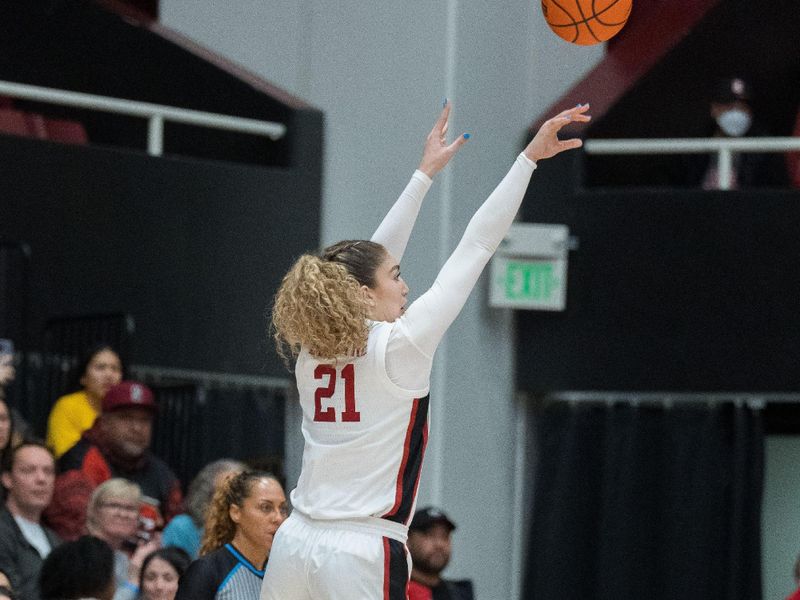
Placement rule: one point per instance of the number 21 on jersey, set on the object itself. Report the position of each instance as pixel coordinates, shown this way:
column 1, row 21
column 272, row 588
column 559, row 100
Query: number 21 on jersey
column 326, row 391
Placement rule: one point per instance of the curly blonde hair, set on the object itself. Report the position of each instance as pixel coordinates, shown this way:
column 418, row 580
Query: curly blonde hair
column 220, row 528
column 320, row 305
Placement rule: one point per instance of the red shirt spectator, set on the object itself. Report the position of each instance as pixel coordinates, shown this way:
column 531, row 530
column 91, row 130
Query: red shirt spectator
column 116, row 446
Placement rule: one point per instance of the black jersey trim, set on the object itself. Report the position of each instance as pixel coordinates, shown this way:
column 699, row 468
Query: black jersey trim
column 243, row 561
column 411, row 465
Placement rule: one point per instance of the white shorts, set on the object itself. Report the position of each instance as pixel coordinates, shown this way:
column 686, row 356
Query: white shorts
column 337, row 560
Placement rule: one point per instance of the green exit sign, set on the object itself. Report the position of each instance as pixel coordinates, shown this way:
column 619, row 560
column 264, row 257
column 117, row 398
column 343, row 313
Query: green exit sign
column 529, row 269
column 529, row 280
column 533, row 283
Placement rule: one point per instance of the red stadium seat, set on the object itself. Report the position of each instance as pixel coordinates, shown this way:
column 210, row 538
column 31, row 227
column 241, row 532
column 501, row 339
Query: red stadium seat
column 67, row 132
column 16, row 122
column 793, row 158
column 36, row 127
column 13, row 122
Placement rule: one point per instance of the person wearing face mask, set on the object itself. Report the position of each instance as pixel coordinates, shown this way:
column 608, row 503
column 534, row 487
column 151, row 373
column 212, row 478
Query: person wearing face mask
column 732, row 116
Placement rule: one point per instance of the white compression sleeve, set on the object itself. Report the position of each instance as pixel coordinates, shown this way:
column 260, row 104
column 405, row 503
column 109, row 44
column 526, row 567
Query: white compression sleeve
column 415, row 336
column 396, row 227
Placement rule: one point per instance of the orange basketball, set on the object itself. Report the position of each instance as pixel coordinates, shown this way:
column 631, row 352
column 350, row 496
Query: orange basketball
column 586, row 22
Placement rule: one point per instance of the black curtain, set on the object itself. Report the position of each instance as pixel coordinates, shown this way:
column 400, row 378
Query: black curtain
column 198, row 424
column 646, row 501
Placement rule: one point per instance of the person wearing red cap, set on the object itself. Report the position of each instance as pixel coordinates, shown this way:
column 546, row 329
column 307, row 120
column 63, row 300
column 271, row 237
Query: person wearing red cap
column 117, row 445
column 429, row 544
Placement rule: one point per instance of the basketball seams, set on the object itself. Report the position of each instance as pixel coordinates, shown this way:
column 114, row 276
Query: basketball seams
column 585, row 21
column 573, row 24
column 605, row 10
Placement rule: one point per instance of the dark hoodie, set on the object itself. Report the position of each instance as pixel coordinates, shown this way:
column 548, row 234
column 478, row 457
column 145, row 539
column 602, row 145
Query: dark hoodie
column 92, row 461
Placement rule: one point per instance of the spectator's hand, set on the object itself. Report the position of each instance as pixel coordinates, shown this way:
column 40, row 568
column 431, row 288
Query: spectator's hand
column 138, row 556
column 437, row 152
column 546, row 144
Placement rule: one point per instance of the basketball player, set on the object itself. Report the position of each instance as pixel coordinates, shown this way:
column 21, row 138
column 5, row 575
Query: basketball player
column 363, row 364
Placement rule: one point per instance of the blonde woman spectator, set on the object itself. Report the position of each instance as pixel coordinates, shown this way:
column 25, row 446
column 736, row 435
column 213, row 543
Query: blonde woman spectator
column 113, row 516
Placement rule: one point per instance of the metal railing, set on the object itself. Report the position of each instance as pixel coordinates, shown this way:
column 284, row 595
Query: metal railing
column 725, row 148
column 210, row 379
column 753, row 399
column 156, row 114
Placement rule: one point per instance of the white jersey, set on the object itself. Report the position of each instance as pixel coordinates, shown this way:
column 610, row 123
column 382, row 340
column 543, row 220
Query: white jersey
column 364, row 437
column 365, row 419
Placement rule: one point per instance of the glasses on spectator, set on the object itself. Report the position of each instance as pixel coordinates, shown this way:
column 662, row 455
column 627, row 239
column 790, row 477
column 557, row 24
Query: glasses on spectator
column 129, row 509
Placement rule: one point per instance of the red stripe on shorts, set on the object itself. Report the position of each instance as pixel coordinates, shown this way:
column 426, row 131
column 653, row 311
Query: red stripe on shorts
column 387, row 554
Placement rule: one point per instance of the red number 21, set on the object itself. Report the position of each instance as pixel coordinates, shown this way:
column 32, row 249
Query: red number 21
column 349, row 414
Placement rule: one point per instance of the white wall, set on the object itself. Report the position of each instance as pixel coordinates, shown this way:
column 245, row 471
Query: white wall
column 379, row 72
column 780, row 521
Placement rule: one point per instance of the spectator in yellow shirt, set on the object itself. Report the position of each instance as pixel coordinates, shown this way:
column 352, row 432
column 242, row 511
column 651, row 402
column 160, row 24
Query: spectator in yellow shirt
column 74, row 413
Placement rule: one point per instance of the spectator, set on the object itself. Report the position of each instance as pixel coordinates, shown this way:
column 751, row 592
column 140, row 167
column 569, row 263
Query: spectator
column 161, row 571
column 242, row 520
column 98, row 372
column 186, row 530
column 430, row 546
column 7, row 370
column 82, row 569
column 732, row 116
column 24, row 541
column 113, row 516
column 6, row 593
column 18, row 428
column 6, row 434
column 116, row 446
column 796, row 594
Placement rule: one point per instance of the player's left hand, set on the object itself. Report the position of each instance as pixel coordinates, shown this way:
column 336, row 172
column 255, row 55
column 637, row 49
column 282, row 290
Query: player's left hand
column 546, row 144
column 437, row 152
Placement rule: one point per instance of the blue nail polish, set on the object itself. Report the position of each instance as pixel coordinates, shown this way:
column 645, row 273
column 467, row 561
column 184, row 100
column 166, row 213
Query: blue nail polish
column 466, row 136
column 444, row 102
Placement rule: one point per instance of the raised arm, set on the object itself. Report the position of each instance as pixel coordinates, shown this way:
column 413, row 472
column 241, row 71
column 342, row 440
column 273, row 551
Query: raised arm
column 427, row 319
column 395, row 229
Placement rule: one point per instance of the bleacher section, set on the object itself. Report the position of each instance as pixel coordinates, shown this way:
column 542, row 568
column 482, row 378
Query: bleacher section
column 673, row 288
column 192, row 245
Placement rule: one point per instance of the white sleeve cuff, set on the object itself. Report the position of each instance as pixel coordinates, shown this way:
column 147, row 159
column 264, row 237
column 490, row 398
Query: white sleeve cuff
column 528, row 161
column 422, row 177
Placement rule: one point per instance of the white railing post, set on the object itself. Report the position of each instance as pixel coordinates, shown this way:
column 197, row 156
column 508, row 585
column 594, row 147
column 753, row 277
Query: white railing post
column 725, row 168
column 155, row 135
column 725, row 148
